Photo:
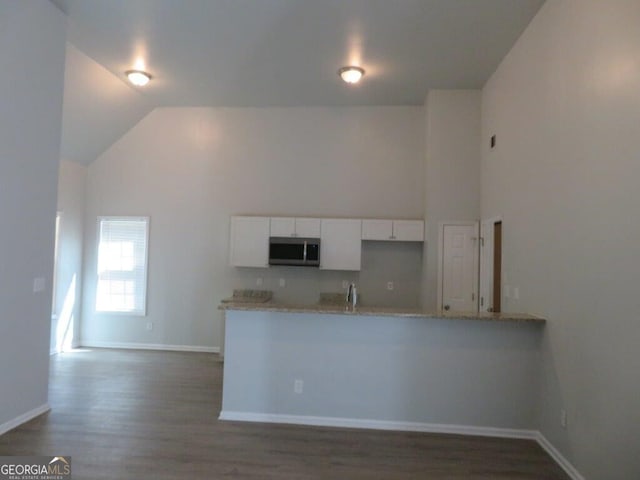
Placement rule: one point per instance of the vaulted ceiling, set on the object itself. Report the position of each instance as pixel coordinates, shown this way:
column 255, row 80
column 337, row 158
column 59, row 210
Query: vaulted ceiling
column 262, row 53
column 98, row 108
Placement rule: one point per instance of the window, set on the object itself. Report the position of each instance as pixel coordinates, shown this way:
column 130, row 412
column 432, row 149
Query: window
column 122, row 264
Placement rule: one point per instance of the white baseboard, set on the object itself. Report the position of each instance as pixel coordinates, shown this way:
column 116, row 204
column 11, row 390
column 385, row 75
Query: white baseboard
column 150, row 346
column 378, row 424
column 24, row 418
column 558, row 457
column 407, row 427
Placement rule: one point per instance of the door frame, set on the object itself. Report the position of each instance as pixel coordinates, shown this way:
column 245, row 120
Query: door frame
column 485, row 285
column 476, row 266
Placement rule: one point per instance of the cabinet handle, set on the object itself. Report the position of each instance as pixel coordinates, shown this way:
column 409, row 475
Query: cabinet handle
column 304, row 252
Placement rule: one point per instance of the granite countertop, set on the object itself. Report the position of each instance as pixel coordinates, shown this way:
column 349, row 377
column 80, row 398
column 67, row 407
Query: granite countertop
column 379, row 311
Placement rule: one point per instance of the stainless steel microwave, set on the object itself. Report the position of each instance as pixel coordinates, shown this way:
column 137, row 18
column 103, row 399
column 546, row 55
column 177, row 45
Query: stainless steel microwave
column 294, row 251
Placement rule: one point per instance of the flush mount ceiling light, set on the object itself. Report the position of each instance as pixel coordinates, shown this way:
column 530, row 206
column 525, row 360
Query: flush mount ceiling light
column 351, row 74
column 138, row 77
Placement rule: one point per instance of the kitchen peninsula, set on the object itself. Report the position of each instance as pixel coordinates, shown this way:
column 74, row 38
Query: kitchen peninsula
column 385, row 368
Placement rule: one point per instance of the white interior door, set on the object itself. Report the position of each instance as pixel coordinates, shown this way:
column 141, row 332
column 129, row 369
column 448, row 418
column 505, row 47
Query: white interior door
column 459, row 269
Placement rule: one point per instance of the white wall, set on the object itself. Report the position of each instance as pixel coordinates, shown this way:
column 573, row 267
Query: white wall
column 452, row 190
column 32, row 41
column 65, row 326
column 190, row 169
column 565, row 106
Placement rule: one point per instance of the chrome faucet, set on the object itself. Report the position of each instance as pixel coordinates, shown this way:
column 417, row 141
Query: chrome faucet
column 352, row 295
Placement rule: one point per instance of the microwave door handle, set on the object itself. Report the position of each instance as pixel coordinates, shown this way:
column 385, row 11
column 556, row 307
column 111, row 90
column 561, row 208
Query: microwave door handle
column 304, row 252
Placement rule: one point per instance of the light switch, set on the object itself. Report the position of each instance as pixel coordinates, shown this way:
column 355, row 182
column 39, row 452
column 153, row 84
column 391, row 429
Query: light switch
column 38, row 284
column 259, row 282
column 282, row 282
column 516, row 293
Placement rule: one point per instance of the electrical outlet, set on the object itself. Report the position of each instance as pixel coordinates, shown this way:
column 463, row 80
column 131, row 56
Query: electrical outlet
column 282, row 282
column 389, row 285
column 259, row 281
column 298, row 386
column 563, row 418
column 149, row 326
column 345, row 284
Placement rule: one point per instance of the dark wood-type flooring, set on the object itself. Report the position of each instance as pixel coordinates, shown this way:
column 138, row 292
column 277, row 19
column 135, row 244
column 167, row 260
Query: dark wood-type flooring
column 153, row 415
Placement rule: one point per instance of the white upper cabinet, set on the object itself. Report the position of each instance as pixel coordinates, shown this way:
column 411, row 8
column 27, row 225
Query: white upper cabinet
column 295, row 227
column 340, row 244
column 249, row 242
column 283, row 226
column 340, row 238
column 308, row 227
column 377, row 229
column 393, row 230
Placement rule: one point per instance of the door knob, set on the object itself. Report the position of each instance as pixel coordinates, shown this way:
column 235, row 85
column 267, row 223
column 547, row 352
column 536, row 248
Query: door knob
column 446, row 307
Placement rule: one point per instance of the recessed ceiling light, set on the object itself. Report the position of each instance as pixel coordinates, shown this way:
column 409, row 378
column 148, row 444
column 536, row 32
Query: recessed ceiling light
column 138, row 77
column 351, row 74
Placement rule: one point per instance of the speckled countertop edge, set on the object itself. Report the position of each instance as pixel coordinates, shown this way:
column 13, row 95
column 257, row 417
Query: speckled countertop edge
column 382, row 312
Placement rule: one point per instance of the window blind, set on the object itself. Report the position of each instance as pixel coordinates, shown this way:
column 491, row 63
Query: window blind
column 122, row 265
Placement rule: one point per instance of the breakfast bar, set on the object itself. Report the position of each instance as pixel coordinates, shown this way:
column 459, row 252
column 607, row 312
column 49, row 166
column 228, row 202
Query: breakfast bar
column 387, row 368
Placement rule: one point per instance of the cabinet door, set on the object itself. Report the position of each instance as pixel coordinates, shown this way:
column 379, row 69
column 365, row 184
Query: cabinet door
column 308, row 227
column 377, row 229
column 282, row 227
column 408, row 230
column 340, row 244
column 249, row 242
